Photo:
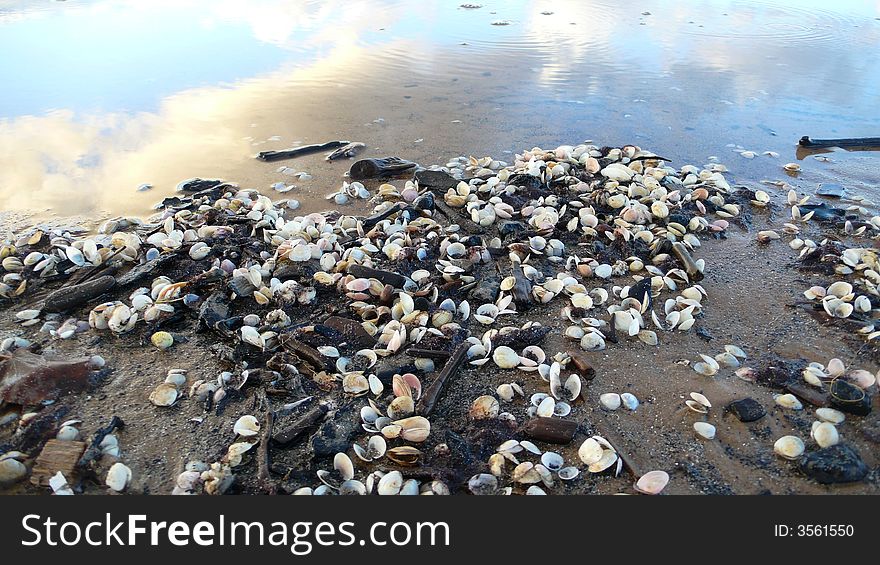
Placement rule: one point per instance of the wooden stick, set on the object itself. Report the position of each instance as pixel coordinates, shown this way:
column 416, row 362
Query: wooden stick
column 432, row 394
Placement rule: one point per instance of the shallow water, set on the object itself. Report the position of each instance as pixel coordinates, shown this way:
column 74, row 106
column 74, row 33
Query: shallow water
column 103, row 96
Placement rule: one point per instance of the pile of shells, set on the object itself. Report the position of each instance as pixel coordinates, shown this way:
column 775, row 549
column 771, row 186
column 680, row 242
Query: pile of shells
column 445, row 268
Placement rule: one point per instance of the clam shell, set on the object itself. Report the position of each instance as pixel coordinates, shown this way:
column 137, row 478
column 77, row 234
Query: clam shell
column 825, row 434
column 164, row 395
column 705, row 430
column 610, row 400
column 590, row 451
column 652, row 482
column 629, row 401
column 788, row 401
column 505, row 357
column 391, row 483
column 789, row 447
column 830, row 415
column 118, row 477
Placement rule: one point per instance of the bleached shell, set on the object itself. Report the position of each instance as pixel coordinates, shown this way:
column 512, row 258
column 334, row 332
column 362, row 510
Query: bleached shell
column 573, row 386
column 505, row 357
column 569, row 473
column 164, row 395
column 830, row 415
column 415, row 428
column 652, row 482
column 825, row 434
column 610, row 400
column 355, row 383
column 788, row 401
column 629, row 401
column 118, row 477
column 546, row 407
column 162, row 340
column 609, row 458
column 343, row 464
column 401, row 407
column 246, row 426
column 390, row 484
column 590, row 451
column 701, row 399
column 552, row 461
column 705, row 430
column 11, row 470
column 789, row 447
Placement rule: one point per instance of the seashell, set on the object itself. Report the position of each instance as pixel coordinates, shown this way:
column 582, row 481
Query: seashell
column 788, row 401
column 569, row 473
column 830, row 415
column 11, row 469
column 652, row 482
column 590, row 451
column 246, row 426
column 164, row 395
column 401, row 407
column 67, row 433
column 355, row 383
column 505, row 357
column 483, row 484
column 162, row 340
column 415, row 428
column 404, row 454
column 629, row 401
column 552, row 461
column 705, row 430
column 343, row 465
column 610, row 400
column 391, row 483
column 609, row 458
column 701, row 400
column 825, row 434
column 118, row 477
column 484, row 407
column 789, row 447
column 352, row 487
column 546, row 407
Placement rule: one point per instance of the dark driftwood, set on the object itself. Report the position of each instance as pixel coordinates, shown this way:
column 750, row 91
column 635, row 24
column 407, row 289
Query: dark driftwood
column 432, row 394
column 551, row 430
column 385, row 277
column 380, row 168
column 427, row 353
column 808, row 394
column 805, row 141
column 289, row 434
column 70, row 297
column 298, row 151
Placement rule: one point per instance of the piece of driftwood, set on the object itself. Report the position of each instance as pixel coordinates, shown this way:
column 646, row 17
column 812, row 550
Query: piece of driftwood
column 57, row 456
column 70, row 297
column 432, row 393
column 809, row 395
column 292, row 432
column 299, row 151
column 428, row 353
column 346, row 151
column 551, row 430
column 690, row 266
column 385, row 277
column 843, row 142
column 628, row 462
column 380, row 168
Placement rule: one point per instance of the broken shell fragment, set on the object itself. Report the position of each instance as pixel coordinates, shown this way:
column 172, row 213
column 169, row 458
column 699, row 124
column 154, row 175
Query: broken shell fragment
column 246, row 426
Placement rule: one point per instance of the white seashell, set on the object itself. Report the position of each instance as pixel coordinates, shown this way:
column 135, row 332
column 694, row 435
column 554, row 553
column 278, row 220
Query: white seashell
column 705, row 430
column 485, row 407
column 652, row 482
column 788, row 401
column 164, row 395
column 830, row 415
column 790, row 447
column 546, row 408
column 118, row 477
column 246, row 426
column 629, row 401
column 391, row 483
column 505, row 357
column 825, row 434
column 590, row 451
column 610, row 400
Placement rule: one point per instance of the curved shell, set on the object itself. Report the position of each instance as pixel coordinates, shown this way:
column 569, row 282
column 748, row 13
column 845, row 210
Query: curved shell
column 652, row 482
column 247, row 426
column 789, row 447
